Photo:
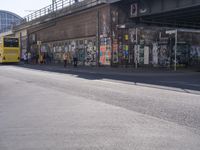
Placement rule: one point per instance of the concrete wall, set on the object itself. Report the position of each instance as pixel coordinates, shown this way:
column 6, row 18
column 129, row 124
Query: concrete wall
column 78, row 32
column 78, row 25
column 74, row 26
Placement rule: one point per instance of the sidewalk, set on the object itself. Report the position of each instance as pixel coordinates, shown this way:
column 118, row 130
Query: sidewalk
column 109, row 70
column 182, row 80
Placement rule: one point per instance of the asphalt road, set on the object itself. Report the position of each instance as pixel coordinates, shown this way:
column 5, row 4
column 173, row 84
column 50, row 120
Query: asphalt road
column 46, row 110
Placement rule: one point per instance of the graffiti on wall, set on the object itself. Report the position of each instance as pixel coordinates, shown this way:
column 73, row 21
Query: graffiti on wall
column 146, row 55
column 81, row 56
column 80, row 51
column 155, row 54
column 132, row 34
column 163, row 56
column 141, row 54
column 86, row 50
column 126, row 47
column 182, row 54
column 105, row 37
column 105, row 51
column 90, row 54
column 123, row 47
column 136, row 53
column 126, row 51
column 195, row 55
column 115, row 20
column 115, row 51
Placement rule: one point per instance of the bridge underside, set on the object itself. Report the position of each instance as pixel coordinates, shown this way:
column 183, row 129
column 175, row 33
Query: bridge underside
column 186, row 18
column 173, row 13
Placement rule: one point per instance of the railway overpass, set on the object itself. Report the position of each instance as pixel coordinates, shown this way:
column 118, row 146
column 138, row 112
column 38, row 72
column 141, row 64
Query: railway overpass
column 112, row 29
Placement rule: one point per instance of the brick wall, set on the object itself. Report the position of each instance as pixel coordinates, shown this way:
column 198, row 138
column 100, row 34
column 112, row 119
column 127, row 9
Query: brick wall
column 81, row 24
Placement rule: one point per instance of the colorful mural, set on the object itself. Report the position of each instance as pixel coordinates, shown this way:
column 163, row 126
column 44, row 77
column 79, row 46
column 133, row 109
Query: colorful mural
column 124, row 48
column 105, row 38
column 105, row 51
column 114, row 23
column 86, row 49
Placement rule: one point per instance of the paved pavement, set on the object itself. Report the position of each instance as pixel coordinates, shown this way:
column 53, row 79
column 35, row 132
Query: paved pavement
column 48, row 109
column 111, row 70
column 181, row 80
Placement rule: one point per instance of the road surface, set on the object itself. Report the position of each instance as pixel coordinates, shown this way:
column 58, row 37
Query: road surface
column 42, row 110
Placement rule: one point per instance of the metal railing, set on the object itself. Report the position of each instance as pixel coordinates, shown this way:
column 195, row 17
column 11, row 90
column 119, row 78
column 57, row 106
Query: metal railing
column 59, row 5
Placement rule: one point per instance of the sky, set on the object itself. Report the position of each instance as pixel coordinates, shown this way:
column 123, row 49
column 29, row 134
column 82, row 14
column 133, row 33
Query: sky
column 22, row 7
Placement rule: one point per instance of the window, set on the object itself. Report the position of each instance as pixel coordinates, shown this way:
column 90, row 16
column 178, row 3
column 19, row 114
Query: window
column 11, row 42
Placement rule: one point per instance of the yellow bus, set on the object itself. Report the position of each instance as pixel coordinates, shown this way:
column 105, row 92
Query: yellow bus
column 9, row 50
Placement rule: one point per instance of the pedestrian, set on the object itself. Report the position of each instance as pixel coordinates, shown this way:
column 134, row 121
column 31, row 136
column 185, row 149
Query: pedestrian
column 41, row 59
column 51, row 58
column 47, row 58
column 25, row 58
column 37, row 58
column 29, row 57
column 69, row 60
column 65, row 59
column 75, row 58
column 44, row 58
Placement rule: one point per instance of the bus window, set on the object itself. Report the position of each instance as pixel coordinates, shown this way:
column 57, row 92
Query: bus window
column 11, row 42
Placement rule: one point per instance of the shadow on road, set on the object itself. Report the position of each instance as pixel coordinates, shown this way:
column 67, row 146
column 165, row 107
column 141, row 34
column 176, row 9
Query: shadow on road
column 186, row 81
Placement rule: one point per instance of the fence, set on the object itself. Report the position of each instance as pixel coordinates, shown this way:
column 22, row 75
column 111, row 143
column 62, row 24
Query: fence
column 59, row 5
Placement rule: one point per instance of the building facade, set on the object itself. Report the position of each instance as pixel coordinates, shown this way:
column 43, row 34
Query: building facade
column 7, row 20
